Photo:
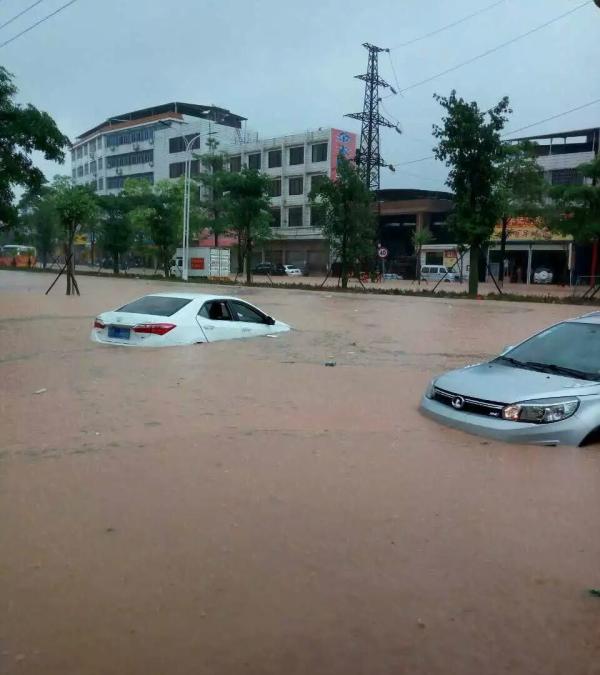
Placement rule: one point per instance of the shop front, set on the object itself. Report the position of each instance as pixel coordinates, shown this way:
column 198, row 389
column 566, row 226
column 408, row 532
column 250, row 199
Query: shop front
column 533, row 254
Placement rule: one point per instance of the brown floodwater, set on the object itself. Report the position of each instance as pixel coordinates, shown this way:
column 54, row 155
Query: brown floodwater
column 239, row 507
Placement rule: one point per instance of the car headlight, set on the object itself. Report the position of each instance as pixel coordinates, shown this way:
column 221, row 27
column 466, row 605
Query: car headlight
column 429, row 390
column 541, row 412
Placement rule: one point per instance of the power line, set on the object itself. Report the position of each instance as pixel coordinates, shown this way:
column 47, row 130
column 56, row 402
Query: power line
column 37, row 23
column 554, row 117
column 20, row 14
column 514, row 131
column 394, row 72
column 450, row 25
column 497, row 47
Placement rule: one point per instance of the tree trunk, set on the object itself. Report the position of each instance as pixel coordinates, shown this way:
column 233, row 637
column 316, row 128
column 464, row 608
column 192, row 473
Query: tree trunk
column 115, row 263
column 594, row 263
column 503, row 249
column 474, row 270
column 418, row 266
column 69, row 260
column 216, row 239
column 344, row 261
column 248, row 255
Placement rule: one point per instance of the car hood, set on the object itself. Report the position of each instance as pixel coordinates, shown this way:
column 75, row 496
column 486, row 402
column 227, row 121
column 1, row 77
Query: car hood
column 507, row 384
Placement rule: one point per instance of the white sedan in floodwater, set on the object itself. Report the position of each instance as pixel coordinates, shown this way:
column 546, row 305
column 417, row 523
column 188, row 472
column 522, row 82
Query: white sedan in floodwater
column 168, row 319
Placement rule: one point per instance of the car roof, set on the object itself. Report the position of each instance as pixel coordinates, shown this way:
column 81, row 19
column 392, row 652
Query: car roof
column 592, row 317
column 192, row 296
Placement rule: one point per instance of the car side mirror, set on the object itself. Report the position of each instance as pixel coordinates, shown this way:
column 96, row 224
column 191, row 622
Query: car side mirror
column 270, row 321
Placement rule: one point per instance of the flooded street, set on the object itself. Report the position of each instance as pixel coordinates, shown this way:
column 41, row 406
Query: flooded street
column 240, row 508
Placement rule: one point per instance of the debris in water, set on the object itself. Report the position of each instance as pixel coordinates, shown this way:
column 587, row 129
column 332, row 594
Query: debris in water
column 595, row 592
column 40, row 391
column 331, row 364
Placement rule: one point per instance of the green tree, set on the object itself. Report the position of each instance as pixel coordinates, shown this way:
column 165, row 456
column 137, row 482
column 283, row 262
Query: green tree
column 23, row 130
column 420, row 238
column 158, row 210
column 213, row 207
column 576, row 209
column 39, row 222
column 470, row 145
column 247, row 207
column 348, row 217
column 76, row 208
column 521, row 188
column 116, row 227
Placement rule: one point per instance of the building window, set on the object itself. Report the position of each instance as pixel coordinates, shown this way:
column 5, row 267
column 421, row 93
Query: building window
column 297, row 155
column 130, row 158
column 74, row 173
column 100, row 183
column 178, row 144
column 295, row 216
column 319, row 152
column 275, row 187
column 86, row 169
column 117, row 182
column 79, row 152
column 317, row 216
column 100, row 161
column 235, row 164
column 177, row 169
column 73, row 155
column 254, row 161
column 275, row 217
column 566, row 177
column 317, row 181
column 130, row 136
column 85, row 149
column 274, row 159
column 93, row 166
column 296, row 186
column 80, row 171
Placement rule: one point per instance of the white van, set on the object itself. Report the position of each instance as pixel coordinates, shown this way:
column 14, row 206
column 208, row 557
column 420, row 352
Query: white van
column 437, row 272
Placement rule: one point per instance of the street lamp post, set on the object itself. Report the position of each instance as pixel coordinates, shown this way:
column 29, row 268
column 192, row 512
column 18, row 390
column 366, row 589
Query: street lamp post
column 186, row 207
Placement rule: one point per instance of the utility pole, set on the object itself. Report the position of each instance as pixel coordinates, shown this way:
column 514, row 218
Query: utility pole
column 368, row 158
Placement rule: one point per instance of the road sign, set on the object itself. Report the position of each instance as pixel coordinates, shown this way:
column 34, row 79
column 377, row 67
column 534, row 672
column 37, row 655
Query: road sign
column 382, row 252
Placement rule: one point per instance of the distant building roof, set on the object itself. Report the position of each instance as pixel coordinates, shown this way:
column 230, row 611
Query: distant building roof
column 207, row 112
column 396, row 195
column 558, row 134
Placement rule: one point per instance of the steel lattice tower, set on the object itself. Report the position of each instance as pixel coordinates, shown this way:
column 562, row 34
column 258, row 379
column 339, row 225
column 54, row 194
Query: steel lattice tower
column 368, row 158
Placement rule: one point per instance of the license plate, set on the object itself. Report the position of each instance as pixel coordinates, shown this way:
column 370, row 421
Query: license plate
column 118, row 332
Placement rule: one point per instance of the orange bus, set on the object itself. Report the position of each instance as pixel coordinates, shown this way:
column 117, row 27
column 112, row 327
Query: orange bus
column 17, row 255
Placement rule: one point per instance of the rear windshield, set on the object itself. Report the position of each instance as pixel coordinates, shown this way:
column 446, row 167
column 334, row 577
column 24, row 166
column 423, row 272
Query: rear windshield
column 156, row 305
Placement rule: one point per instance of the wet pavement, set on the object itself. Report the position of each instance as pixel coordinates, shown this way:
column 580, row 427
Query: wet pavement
column 240, row 508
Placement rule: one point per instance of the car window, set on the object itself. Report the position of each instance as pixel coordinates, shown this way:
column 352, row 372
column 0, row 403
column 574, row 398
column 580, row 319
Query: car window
column 215, row 310
column 155, row 305
column 245, row 313
column 569, row 344
column 425, row 270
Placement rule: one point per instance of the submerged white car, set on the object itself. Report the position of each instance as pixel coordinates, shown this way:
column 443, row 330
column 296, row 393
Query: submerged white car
column 169, row 319
column 292, row 271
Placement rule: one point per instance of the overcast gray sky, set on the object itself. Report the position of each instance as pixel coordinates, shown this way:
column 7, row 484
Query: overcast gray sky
column 289, row 66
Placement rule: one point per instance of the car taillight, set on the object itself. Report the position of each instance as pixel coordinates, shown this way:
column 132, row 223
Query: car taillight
column 99, row 324
column 154, row 328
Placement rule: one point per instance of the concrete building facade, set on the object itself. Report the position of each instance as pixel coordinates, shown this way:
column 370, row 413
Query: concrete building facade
column 152, row 144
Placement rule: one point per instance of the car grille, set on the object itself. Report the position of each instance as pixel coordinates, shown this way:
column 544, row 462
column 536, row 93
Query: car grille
column 466, row 404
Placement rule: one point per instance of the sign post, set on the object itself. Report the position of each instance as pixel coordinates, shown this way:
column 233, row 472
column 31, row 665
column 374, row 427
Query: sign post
column 382, row 252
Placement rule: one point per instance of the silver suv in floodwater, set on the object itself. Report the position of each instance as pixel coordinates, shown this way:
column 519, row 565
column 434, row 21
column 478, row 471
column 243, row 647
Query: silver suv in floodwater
column 546, row 390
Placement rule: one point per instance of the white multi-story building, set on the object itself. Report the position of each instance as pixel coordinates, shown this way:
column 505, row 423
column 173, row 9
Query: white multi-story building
column 153, row 144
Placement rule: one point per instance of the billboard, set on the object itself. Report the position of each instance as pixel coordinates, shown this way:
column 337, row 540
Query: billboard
column 528, row 229
column 342, row 143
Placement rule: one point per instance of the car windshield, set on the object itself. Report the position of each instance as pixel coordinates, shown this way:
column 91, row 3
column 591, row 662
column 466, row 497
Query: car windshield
column 155, row 305
column 570, row 348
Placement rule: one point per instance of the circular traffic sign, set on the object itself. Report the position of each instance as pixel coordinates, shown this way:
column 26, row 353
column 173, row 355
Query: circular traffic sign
column 382, row 252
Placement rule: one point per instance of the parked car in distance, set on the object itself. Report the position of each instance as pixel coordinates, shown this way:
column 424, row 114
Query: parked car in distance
column 169, row 319
column 269, row 268
column 292, row 271
column 437, row 272
column 543, row 275
column 545, row 390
